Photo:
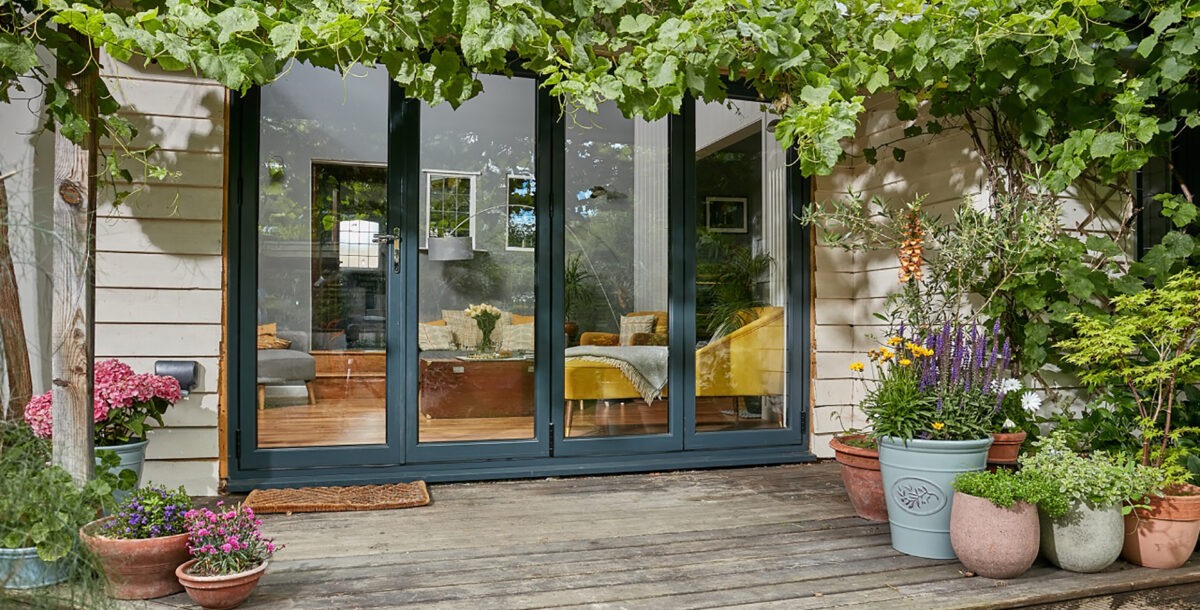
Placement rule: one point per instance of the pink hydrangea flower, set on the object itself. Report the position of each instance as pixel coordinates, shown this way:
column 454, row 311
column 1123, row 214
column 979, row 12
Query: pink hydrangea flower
column 115, row 386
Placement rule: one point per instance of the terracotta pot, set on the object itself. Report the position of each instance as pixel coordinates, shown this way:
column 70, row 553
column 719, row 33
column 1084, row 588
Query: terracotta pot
column 994, row 541
column 1164, row 535
column 860, row 475
column 219, row 592
column 137, row 569
column 1006, row 446
column 570, row 329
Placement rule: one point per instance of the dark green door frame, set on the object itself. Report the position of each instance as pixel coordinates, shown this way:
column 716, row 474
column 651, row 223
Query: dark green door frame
column 401, row 457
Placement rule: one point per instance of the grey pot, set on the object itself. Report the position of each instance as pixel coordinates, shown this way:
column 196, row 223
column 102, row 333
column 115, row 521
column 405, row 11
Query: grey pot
column 133, row 457
column 23, row 569
column 1085, row 539
column 450, row 249
column 916, row 485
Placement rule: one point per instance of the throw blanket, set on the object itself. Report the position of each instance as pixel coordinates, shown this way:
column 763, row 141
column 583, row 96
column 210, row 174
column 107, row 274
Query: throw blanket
column 645, row 366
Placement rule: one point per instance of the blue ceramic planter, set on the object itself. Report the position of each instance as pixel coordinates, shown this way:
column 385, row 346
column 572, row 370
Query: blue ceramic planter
column 917, row 477
column 23, row 569
column 133, row 457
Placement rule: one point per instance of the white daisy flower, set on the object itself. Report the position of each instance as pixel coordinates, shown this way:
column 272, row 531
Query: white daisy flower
column 1008, row 423
column 1031, row 402
column 1010, row 385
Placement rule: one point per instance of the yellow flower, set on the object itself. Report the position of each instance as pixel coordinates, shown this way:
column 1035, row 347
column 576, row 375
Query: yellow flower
column 937, row 425
column 856, row 366
column 895, row 341
column 905, row 362
column 886, row 355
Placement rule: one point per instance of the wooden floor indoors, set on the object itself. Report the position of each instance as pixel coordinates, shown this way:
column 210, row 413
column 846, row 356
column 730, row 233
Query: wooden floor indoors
column 363, row 421
column 779, row 537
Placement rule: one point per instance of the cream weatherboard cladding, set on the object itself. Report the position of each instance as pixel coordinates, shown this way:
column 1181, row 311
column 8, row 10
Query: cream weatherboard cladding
column 159, row 271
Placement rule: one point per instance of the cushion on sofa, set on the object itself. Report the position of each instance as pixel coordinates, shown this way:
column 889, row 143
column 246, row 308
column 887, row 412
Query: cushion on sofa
column 517, row 337
column 434, row 337
column 635, row 324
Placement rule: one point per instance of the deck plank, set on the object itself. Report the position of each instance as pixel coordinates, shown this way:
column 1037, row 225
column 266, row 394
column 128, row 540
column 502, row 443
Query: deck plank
column 753, row 538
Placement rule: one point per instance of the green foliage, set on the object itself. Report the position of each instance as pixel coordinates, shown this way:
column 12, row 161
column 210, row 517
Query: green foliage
column 576, row 285
column 1005, row 488
column 727, row 284
column 1099, row 478
column 1149, row 345
column 40, row 506
column 966, row 59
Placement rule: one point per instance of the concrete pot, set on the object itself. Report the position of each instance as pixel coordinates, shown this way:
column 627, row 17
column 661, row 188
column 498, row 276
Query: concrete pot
column 1006, row 447
column 1085, row 539
column 23, row 569
column 861, row 476
column 219, row 592
column 137, row 569
column 917, row 477
column 994, row 541
column 1164, row 535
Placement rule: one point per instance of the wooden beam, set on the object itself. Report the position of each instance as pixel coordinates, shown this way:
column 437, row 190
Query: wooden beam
column 74, row 253
column 12, row 326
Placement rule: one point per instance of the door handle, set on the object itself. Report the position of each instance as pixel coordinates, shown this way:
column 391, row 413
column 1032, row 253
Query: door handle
column 392, row 241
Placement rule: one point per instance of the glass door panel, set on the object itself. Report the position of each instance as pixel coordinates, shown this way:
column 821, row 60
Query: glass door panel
column 322, row 292
column 615, row 277
column 741, row 254
column 476, row 266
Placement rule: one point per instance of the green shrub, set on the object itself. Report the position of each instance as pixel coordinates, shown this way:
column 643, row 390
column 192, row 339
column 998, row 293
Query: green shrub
column 1099, row 478
column 1005, row 488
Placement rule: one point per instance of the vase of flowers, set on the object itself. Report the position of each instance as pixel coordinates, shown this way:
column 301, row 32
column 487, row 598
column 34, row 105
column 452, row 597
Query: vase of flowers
column 485, row 317
column 229, row 555
column 123, row 404
column 931, row 409
column 141, row 544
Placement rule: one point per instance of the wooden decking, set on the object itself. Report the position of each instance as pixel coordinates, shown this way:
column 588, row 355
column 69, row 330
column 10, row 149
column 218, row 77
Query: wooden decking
column 780, row 537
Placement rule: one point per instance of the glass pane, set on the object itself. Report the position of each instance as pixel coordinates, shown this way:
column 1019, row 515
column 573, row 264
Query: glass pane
column 741, row 269
column 616, row 276
column 322, row 307
column 476, row 368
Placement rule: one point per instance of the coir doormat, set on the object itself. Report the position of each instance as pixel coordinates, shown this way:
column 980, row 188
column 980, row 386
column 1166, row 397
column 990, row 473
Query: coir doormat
column 332, row 499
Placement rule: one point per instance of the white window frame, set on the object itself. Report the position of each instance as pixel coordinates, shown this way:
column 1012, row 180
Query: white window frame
column 430, row 175
column 508, row 215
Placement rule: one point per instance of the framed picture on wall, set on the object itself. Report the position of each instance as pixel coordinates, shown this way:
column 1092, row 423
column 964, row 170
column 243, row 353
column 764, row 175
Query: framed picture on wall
column 725, row 214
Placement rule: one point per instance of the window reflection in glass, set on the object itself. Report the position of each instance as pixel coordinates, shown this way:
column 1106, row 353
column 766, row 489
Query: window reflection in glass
column 321, row 298
column 616, row 276
column 741, row 263
column 476, row 379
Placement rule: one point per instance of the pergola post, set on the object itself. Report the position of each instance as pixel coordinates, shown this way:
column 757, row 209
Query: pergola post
column 74, row 274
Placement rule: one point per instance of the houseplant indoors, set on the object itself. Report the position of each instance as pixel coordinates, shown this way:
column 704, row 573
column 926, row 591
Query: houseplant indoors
column 1147, row 349
column 994, row 522
column 932, row 410
column 124, row 401
column 229, row 555
column 142, row 543
column 1089, row 535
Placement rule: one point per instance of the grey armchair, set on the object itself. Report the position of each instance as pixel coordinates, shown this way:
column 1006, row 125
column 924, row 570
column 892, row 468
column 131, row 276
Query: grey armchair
column 281, row 366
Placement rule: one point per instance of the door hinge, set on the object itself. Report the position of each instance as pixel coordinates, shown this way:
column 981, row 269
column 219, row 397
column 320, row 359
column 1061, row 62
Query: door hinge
column 551, row 439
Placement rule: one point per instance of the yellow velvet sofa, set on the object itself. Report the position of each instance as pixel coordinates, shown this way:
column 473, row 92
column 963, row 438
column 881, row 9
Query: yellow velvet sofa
column 749, row 361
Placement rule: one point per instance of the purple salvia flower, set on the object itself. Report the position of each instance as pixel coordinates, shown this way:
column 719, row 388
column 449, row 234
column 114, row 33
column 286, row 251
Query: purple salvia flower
column 996, row 330
column 939, row 405
column 1006, row 355
column 901, row 332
